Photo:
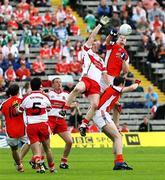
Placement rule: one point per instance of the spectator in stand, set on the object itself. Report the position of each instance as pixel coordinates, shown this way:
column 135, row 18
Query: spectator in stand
column 60, row 14
column 90, row 19
column 145, row 126
column 47, row 32
column 13, row 23
column 143, row 26
column 152, row 53
column 156, row 11
column 25, row 89
column 124, row 128
column 148, row 4
column 47, row 17
column 23, row 73
column 77, row 47
column 10, row 48
column 6, row 10
column 21, row 59
column 75, row 117
column 67, row 51
column 69, row 16
column 150, row 97
column 3, row 62
column 2, row 23
column 38, row 67
column 115, row 21
column 61, row 32
column 156, row 23
column 45, row 51
column 75, row 66
column 128, row 7
column 10, row 74
column 138, row 12
column 161, row 54
column 158, row 34
column 103, row 9
column 35, row 19
column 21, row 16
column 24, row 5
column 25, row 39
column 56, row 50
column 114, row 7
column 10, row 34
column 74, row 29
column 2, row 86
column 146, row 43
column 35, row 39
column 62, row 67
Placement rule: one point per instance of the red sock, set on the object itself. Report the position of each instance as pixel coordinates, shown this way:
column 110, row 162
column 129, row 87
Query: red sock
column 85, row 121
column 36, row 158
column 42, row 158
column 51, row 165
column 64, row 160
column 119, row 158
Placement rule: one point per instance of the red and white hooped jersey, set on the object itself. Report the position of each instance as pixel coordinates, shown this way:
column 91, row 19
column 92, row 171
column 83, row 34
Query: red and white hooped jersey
column 113, row 59
column 35, row 105
column 109, row 98
column 57, row 102
column 93, row 65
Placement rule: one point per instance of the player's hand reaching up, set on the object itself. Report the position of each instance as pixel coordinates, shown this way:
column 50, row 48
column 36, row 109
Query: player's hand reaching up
column 113, row 32
column 104, row 20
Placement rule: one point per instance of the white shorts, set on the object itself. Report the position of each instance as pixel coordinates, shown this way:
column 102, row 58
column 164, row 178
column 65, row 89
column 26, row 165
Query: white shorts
column 103, row 85
column 101, row 118
column 15, row 141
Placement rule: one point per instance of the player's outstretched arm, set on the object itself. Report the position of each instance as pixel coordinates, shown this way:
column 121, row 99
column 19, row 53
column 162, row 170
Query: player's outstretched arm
column 103, row 21
column 132, row 87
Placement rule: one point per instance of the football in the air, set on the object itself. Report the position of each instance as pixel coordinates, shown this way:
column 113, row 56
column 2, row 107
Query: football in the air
column 125, row 29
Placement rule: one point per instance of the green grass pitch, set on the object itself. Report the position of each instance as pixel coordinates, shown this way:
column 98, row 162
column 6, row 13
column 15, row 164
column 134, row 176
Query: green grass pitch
column 92, row 164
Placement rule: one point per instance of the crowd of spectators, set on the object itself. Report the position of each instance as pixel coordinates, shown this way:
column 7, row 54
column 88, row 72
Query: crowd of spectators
column 23, row 26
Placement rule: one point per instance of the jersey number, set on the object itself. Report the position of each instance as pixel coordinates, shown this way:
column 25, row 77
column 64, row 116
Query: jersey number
column 36, row 108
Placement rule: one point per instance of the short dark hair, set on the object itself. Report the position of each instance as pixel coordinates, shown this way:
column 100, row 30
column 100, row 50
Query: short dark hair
column 118, row 80
column 35, row 83
column 13, row 89
column 55, row 79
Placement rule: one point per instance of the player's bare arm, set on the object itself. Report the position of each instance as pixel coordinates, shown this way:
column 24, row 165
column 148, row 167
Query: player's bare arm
column 103, row 21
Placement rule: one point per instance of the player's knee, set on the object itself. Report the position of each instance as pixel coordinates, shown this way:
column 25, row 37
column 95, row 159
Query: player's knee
column 69, row 142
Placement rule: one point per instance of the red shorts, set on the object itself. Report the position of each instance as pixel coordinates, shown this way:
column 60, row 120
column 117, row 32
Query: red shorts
column 92, row 87
column 57, row 124
column 38, row 132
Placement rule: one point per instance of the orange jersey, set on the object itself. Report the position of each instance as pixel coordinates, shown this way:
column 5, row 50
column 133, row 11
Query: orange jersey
column 15, row 127
column 23, row 72
column 45, row 53
column 109, row 98
column 113, row 60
